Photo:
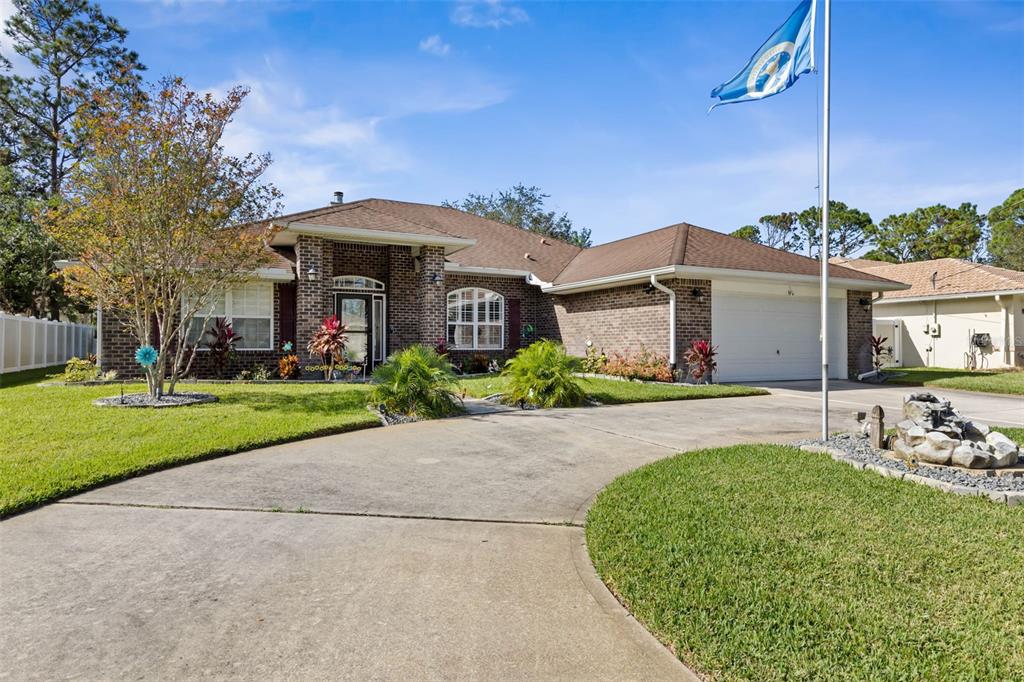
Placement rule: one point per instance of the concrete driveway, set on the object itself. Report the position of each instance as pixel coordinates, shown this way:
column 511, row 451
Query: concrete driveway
column 439, row 550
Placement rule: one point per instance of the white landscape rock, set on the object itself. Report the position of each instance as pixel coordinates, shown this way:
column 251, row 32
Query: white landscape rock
column 971, row 458
column 937, row 448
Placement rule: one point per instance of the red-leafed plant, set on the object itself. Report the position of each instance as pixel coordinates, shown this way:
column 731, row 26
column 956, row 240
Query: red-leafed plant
column 700, row 357
column 879, row 352
column 221, row 340
column 441, row 347
column 329, row 342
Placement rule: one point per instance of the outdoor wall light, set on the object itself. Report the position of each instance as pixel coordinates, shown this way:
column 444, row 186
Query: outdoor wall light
column 437, row 278
column 311, row 274
column 649, row 289
column 865, row 302
column 697, row 293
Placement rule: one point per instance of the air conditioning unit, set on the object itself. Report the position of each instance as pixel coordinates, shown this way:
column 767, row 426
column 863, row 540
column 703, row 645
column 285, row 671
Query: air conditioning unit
column 934, row 329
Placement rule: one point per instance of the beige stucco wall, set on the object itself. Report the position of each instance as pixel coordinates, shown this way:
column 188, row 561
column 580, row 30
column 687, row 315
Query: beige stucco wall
column 958, row 318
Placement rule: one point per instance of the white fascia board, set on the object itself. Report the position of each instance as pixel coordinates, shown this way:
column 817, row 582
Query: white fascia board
column 624, row 279
column 359, row 234
column 274, row 274
column 694, row 272
column 492, row 272
column 949, row 297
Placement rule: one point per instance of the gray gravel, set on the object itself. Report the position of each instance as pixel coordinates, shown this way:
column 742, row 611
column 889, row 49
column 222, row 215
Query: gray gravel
column 143, row 400
column 857, row 447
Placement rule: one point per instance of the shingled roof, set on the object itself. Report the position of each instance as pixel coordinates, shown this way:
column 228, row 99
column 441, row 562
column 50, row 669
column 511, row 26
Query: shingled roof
column 504, row 247
column 941, row 277
column 688, row 245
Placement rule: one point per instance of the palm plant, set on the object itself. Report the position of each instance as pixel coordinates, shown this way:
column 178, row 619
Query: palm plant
column 416, row 381
column 329, row 343
column 542, row 375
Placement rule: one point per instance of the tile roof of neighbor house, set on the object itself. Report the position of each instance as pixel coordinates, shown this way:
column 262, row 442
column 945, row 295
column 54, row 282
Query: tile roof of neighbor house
column 952, row 277
column 689, row 245
column 502, row 246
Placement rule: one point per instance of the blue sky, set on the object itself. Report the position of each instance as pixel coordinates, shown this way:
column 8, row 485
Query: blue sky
column 604, row 105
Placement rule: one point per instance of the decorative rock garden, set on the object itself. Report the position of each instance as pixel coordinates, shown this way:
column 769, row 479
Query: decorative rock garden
column 935, row 433
column 934, row 446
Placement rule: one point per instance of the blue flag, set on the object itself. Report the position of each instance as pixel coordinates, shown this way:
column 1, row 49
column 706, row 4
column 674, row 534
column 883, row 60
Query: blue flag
column 784, row 57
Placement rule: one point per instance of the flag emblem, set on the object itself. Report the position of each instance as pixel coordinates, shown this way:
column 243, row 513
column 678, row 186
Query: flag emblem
column 777, row 64
column 770, row 72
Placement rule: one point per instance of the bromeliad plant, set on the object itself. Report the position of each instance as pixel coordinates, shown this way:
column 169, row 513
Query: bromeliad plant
column 417, row 382
column 329, row 343
column 221, row 340
column 542, row 375
column 700, row 357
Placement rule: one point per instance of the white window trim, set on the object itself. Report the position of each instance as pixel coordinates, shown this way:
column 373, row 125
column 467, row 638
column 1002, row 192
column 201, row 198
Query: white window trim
column 475, row 324
column 336, row 284
column 228, row 305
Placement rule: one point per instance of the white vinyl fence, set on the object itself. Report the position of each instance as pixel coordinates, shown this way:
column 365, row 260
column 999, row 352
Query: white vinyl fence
column 28, row 342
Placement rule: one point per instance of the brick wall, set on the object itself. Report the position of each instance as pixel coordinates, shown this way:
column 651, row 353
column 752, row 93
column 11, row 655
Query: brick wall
column 625, row 318
column 309, row 294
column 858, row 329
column 404, row 306
column 431, row 295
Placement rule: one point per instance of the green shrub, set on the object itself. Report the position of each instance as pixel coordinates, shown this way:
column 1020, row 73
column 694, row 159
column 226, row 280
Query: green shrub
column 78, row 370
column 418, row 382
column 542, row 375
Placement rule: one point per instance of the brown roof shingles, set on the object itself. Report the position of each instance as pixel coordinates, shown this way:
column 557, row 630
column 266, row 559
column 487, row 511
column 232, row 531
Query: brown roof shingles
column 689, row 245
column 952, row 276
column 501, row 246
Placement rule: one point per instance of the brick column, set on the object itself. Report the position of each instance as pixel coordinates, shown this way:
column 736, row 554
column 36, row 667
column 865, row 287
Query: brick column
column 432, row 295
column 693, row 314
column 858, row 329
column 309, row 295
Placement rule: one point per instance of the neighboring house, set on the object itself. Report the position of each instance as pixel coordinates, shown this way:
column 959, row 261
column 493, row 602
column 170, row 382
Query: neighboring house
column 399, row 273
column 955, row 313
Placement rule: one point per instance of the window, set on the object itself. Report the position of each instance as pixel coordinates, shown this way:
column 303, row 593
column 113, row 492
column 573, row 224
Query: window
column 476, row 320
column 250, row 309
column 355, row 282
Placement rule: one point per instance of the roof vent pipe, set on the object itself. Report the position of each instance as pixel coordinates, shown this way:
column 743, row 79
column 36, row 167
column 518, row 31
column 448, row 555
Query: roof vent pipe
column 671, row 319
column 339, row 198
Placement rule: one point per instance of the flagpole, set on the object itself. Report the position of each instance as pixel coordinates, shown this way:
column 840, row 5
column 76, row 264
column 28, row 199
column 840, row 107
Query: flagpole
column 824, row 228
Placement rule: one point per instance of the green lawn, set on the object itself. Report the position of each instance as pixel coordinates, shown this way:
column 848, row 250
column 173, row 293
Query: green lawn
column 768, row 563
column 612, row 392
column 1008, row 382
column 53, row 442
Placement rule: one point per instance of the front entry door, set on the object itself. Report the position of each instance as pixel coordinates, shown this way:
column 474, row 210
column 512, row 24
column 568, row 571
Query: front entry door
column 356, row 313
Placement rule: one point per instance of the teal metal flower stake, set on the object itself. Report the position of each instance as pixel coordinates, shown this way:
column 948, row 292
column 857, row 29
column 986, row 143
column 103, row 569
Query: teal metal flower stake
column 146, row 356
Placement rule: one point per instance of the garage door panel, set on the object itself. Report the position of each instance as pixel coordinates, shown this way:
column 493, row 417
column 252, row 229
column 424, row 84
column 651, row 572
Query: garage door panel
column 770, row 337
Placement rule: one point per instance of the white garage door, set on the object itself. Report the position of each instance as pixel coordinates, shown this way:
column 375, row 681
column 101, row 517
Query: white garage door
column 772, row 333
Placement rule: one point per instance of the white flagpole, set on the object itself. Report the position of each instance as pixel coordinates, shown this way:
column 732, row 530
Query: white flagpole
column 824, row 230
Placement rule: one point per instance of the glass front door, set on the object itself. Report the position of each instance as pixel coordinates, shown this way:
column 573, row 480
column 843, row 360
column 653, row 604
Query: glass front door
column 355, row 312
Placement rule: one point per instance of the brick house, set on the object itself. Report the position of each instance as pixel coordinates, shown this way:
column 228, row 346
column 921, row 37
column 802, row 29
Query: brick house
column 399, row 273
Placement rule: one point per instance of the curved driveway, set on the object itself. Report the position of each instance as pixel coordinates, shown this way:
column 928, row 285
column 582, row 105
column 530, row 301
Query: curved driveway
column 438, row 550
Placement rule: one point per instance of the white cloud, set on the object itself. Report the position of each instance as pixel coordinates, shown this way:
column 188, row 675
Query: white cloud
column 487, row 14
column 435, row 46
column 331, row 128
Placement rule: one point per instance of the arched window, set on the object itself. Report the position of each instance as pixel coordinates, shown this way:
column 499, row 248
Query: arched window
column 357, row 282
column 476, row 319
